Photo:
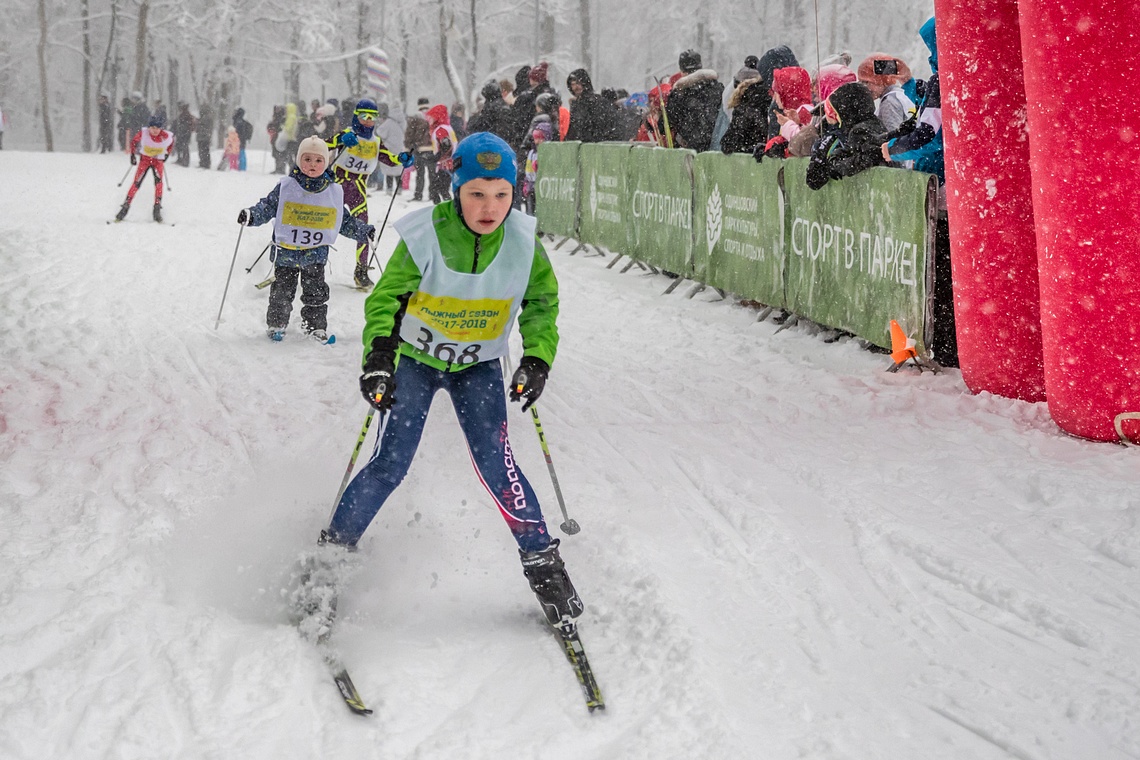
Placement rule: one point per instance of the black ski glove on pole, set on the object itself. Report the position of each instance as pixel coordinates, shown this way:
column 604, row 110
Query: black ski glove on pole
column 378, row 384
column 529, row 380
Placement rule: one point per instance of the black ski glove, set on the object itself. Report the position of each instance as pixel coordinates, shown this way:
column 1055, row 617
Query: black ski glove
column 529, row 380
column 243, row 216
column 378, row 384
column 134, row 159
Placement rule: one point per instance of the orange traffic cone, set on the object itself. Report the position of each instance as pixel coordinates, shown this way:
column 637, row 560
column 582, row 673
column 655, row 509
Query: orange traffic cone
column 902, row 347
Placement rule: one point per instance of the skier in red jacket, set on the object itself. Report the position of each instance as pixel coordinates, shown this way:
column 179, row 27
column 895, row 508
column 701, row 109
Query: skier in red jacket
column 154, row 144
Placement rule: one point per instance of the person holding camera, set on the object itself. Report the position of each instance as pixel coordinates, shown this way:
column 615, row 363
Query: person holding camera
column 884, row 76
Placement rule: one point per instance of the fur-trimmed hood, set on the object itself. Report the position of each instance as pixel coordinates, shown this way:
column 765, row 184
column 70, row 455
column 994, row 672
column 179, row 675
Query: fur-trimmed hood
column 697, row 77
column 744, row 90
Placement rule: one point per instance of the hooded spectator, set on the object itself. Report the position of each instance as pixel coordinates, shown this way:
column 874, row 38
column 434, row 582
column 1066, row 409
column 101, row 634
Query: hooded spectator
column 592, row 117
column 856, row 143
column 693, row 104
column 884, row 74
column 791, row 92
column 748, row 126
column 776, row 58
column 495, row 116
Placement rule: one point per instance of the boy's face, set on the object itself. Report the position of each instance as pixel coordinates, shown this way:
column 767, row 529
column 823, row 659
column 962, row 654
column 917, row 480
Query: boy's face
column 485, row 202
column 154, row 131
column 312, row 165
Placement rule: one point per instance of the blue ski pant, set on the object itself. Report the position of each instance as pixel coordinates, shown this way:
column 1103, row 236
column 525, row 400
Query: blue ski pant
column 478, row 397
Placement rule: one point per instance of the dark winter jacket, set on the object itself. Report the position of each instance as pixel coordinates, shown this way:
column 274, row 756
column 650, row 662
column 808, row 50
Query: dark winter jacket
column 522, row 112
column 243, row 127
column 495, row 117
column 749, row 125
column 692, row 108
column 856, row 145
column 592, row 117
column 776, row 58
column 265, row 211
column 205, row 125
column 417, row 134
column 183, row 125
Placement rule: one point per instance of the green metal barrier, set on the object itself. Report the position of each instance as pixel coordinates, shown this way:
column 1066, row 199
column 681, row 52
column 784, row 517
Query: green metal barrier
column 857, row 250
column 738, row 221
column 603, row 200
column 556, row 190
column 660, row 189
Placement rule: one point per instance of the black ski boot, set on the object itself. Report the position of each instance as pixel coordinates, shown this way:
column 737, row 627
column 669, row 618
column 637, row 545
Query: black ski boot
column 123, row 212
column 157, row 212
column 550, row 583
column 318, row 578
column 361, row 277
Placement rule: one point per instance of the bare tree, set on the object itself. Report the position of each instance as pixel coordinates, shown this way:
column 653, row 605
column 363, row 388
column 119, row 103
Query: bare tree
column 140, row 46
column 584, row 17
column 86, row 13
column 41, row 55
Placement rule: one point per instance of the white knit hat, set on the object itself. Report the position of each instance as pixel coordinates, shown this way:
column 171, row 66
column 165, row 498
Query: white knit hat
column 313, row 145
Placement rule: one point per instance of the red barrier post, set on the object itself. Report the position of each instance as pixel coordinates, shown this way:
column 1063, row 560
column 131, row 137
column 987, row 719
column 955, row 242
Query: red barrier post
column 1084, row 126
column 989, row 198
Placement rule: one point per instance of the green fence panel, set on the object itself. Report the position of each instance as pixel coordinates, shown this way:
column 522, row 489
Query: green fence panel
column 556, row 189
column 603, row 200
column 739, row 224
column 857, row 250
column 661, row 207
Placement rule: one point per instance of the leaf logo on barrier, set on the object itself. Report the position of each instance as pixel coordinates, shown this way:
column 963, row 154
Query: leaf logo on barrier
column 713, row 217
column 593, row 195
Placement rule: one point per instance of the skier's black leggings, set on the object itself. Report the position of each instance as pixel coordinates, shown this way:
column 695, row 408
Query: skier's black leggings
column 314, row 297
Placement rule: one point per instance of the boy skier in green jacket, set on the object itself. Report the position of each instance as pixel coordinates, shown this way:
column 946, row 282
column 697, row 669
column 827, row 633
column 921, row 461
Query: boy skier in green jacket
column 439, row 318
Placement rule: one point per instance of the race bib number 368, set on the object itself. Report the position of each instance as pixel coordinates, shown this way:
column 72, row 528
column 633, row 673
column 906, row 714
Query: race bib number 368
column 459, row 320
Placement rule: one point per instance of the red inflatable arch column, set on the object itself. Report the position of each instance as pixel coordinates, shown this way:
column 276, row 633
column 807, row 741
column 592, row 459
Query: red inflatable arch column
column 1084, row 126
column 989, row 197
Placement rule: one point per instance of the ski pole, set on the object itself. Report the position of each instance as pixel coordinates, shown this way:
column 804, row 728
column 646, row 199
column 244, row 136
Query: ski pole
column 569, row 527
column 124, row 179
column 352, row 461
column 384, row 224
column 664, row 113
column 263, row 250
column 165, row 177
column 228, row 276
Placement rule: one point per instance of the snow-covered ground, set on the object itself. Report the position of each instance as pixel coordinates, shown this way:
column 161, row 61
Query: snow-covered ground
column 785, row 551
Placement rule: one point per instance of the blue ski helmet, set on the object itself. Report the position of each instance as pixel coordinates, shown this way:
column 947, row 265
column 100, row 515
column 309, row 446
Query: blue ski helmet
column 364, row 107
column 482, row 155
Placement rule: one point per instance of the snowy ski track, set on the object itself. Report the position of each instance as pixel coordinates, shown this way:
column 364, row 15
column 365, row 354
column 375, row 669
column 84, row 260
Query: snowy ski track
column 785, row 551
